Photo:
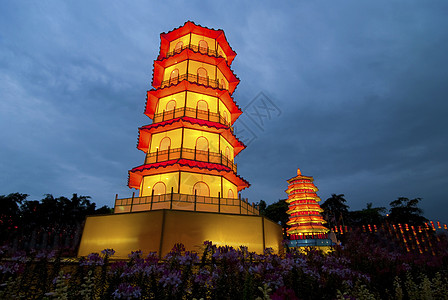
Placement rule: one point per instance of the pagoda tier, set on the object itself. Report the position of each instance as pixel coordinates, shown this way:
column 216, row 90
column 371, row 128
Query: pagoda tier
column 190, row 34
column 305, row 220
column 223, row 133
column 219, row 75
column 185, row 87
column 190, row 146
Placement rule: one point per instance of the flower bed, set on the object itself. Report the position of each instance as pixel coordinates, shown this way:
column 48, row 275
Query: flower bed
column 360, row 270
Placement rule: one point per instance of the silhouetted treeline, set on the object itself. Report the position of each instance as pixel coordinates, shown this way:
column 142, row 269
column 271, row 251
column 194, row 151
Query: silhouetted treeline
column 336, row 212
column 50, row 223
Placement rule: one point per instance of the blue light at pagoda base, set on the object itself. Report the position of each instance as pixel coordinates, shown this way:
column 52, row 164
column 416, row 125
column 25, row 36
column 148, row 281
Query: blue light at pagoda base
column 310, row 243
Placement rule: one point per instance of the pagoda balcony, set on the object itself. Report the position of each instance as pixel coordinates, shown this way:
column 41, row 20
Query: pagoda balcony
column 192, row 113
column 206, row 81
column 187, row 202
column 194, row 48
column 191, row 154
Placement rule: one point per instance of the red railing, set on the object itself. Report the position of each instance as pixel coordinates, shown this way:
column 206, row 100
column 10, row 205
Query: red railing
column 195, row 48
column 186, row 202
column 207, row 81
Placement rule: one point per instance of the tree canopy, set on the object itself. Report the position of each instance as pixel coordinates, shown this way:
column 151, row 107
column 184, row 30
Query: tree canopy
column 405, row 210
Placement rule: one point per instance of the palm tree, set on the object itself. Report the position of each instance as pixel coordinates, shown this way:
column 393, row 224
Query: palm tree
column 406, row 211
column 335, row 209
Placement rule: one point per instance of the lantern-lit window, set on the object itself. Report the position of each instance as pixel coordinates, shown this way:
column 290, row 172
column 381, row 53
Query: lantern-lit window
column 202, row 72
column 171, row 105
column 203, row 46
column 230, row 194
column 202, row 105
column 159, row 188
column 201, row 189
column 174, row 76
column 178, row 47
column 202, row 143
column 165, row 143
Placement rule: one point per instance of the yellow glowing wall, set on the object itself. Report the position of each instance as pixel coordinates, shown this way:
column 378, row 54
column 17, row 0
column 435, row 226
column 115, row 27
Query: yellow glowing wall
column 191, row 101
column 191, row 135
column 184, row 39
column 193, row 98
column 179, row 98
column 188, row 180
column 226, row 186
column 193, row 67
column 182, row 67
column 159, row 231
column 189, row 141
column 196, row 38
column 171, row 180
column 224, row 144
column 195, row 41
column 220, row 77
column 174, row 135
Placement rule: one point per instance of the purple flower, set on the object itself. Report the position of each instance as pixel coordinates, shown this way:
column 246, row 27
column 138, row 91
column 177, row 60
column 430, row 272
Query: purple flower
column 46, row 255
column 93, row 259
column 189, row 258
column 152, row 258
column 108, row 252
column 127, row 291
column 135, row 254
column 171, row 279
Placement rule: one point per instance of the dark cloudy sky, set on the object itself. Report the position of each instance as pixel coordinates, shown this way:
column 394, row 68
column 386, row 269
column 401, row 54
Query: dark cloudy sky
column 359, row 92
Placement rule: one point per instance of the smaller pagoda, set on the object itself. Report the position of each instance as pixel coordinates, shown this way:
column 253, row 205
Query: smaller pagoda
column 305, row 221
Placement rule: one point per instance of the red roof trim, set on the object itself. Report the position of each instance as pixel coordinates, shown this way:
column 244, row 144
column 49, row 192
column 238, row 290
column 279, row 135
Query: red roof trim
column 134, row 182
column 191, row 27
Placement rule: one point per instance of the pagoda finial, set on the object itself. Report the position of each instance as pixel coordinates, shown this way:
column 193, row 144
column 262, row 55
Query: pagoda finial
column 298, row 172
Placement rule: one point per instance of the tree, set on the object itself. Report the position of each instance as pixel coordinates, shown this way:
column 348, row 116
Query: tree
column 370, row 215
column 406, row 211
column 277, row 212
column 335, row 210
column 10, row 213
column 262, row 207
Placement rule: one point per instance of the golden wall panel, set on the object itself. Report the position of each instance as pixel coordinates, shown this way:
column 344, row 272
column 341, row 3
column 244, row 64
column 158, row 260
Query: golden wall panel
column 155, row 230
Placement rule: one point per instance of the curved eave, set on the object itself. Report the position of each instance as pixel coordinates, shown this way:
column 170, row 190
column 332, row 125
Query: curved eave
column 153, row 97
column 307, row 229
column 308, row 207
column 186, row 165
column 300, row 177
column 302, row 196
column 305, row 219
column 145, row 132
column 161, row 65
column 191, row 27
column 300, row 186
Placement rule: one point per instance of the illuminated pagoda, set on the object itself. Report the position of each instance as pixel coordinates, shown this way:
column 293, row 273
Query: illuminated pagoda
column 188, row 184
column 305, row 221
column 190, row 146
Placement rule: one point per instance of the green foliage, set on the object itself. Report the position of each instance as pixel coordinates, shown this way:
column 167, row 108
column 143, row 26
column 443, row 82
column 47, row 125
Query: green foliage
column 404, row 210
column 335, row 210
column 277, row 212
column 20, row 217
column 369, row 215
